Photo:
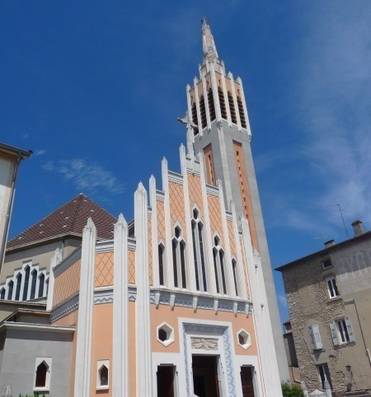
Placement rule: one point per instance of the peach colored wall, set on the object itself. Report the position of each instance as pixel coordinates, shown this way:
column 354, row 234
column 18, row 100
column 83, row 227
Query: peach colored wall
column 160, row 220
column 232, row 240
column 177, row 205
column 104, row 269
column 131, row 261
column 101, row 345
column 215, row 218
column 195, row 197
column 165, row 314
column 67, row 284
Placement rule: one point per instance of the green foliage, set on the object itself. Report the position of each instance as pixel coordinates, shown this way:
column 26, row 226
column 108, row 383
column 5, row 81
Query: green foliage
column 289, row 390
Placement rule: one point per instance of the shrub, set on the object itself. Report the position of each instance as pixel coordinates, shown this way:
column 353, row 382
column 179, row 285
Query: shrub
column 289, row 390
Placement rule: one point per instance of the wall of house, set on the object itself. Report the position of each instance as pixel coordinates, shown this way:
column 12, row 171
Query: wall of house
column 309, row 303
column 22, row 347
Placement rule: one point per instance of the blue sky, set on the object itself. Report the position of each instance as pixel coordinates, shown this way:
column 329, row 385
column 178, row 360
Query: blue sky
column 94, row 89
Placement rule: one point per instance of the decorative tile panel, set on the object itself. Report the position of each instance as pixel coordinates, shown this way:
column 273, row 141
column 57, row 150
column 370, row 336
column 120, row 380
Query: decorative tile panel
column 195, row 195
column 131, row 261
column 214, row 214
column 160, row 220
column 67, row 284
column 104, row 269
column 177, row 205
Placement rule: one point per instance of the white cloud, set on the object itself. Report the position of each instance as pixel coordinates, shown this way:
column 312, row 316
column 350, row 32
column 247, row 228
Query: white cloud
column 85, row 176
column 40, row 152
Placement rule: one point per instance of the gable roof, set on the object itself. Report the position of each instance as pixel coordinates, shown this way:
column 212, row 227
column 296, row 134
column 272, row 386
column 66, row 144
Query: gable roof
column 69, row 219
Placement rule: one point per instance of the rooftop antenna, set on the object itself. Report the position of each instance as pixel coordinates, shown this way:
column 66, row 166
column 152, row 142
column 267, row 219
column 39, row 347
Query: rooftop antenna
column 342, row 219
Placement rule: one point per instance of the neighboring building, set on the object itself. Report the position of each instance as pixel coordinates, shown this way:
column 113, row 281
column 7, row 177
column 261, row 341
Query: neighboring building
column 329, row 300
column 292, row 358
column 177, row 303
column 10, row 158
column 25, row 273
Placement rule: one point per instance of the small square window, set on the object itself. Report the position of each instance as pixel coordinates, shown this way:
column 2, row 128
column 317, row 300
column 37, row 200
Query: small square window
column 326, row 263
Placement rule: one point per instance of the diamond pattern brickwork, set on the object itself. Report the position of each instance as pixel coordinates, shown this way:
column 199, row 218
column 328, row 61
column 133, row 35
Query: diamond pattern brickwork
column 195, row 195
column 160, row 221
column 177, row 205
column 67, row 284
column 214, row 214
column 104, row 269
column 232, row 240
column 131, row 261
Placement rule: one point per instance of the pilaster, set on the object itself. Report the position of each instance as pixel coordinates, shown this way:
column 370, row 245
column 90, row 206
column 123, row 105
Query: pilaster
column 206, row 102
column 214, row 87
column 244, row 105
column 120, row 378
column 197, row 102
column 154, row 230
column 85, row 315
column 56, row 259
column 143, row 323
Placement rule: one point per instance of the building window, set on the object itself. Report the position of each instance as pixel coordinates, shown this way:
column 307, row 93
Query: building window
column 241, row 112
column 26, row 281
column 326, row 263
column 232, row 108
column 33, row 283
column 41, row 285
column 203, row 112
column 18, row 287
column 223, row 109
column 178, row 246
column 42, row 374
column 315, row 336
column 10, row 289
column 165, row 334
column 218, row 255
column 210, row 99
column 244, row 339
column 341, row 331
column 332, row 287
column 198, row 251
column 161, row 252
column 195, row 118
column 234, row 270
column 324, row 376
column 102, row 374
column 2, row 293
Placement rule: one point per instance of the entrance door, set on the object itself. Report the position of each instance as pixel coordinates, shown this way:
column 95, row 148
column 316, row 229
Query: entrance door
column 165, row 381
column 205, row 376
column 247, row 374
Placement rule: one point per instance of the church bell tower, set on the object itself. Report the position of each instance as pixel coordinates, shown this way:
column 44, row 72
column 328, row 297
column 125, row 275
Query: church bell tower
column 220, row 133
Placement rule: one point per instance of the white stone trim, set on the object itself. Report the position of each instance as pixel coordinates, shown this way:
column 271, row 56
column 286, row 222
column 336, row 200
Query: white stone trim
column 56, row 259
column 187, row 215
column 211, row 283
column 197, row 102
column 227, row 246
column 143, row 321
column 154, row 231
column 85, row 314
column 120, row 344
column 169, row 274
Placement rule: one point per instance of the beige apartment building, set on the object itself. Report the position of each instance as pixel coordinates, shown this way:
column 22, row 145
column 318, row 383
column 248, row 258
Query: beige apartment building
column 329, row 300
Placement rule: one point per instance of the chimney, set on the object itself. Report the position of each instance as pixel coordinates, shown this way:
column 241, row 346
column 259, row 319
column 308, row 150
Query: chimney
column 329, row 243
column 357, row 228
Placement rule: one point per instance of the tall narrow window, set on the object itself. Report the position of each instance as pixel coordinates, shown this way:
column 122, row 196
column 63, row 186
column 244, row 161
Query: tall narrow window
column 223, row 109
column 161, row 251
column 234, row 269
column 241, row 112
column 18, row 287
column 103, row 367
column 203, row 112
column 103, row 376
column 33, row 283
column 10, row 290
column 198, row 251
column 41, row 375
column 332, row 287
column 179, row 266
column 195, row 118
column 2, row 293
column 218, row 255
column 232, row 108
column 26, row 280
column 210, row 172
column 210, row 99
column 41, row 285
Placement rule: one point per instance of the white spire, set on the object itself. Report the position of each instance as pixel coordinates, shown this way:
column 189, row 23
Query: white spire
column 208, row 44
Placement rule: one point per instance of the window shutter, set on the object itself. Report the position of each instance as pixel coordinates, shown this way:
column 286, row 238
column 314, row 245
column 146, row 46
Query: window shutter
column 349, row 329
column 316, row 337
column 334, row 333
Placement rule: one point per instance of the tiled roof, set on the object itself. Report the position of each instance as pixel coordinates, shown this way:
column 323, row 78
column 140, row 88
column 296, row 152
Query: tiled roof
column 69, row 219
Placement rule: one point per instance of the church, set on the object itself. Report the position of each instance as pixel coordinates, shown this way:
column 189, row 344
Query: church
column 180, row 301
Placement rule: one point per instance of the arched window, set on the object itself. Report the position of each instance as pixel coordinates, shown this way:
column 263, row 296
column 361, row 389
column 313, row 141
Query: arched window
column 161, row 252
column 103, row 375
column 41, row 285
column 2, row 293
column 198, row 251
column 210, row 99
column 18, row 287
column 33, row 283
column 26, row 280
column 178, row 246
column 41, row 373
column 218, row 255
column 234, row 270
column 10, row 289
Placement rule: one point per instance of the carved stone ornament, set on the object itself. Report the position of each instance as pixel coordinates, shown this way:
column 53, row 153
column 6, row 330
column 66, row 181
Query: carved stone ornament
column 205, row 343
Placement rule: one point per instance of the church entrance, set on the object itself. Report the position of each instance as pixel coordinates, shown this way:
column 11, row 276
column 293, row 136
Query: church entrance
column 165, row 381
column 247, row 381
column 205, row 375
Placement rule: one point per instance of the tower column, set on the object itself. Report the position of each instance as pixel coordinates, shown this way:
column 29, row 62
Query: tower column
column 228, row 110
column 154, row 231
column 197, row 102
column 235, row 104
column 207, row 110
column 120, row 379
column 85, row 315
column 142, row 304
